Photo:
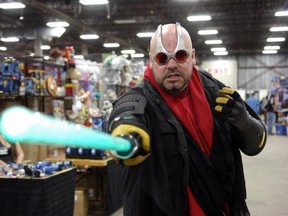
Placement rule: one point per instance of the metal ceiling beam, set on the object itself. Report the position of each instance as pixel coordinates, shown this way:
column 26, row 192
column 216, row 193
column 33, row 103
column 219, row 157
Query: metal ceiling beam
column 39, row 6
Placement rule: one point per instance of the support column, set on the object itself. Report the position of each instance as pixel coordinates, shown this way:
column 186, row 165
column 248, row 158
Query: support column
column 37, row 47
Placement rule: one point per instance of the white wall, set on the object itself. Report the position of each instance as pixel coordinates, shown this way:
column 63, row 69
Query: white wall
column 223, row 70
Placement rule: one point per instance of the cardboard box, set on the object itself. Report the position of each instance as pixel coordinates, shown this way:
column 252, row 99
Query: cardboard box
column 81, row 202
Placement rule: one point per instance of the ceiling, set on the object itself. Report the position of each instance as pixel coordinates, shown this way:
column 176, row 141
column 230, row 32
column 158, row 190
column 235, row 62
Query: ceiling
column 243, row 25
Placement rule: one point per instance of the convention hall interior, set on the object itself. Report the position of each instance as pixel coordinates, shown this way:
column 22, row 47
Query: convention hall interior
column 70, row 59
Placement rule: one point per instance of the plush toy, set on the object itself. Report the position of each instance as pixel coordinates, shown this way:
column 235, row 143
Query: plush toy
column 106, row 109
column 85, row 113
column 75, row 76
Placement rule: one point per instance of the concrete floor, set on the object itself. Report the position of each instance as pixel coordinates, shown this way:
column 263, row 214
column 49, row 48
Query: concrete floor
column 266, row 179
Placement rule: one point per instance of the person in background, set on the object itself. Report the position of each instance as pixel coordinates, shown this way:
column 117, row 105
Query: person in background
column 263, row 112
column 10, row 153
column 271, row 109
column 254, row 103
column 189, row 129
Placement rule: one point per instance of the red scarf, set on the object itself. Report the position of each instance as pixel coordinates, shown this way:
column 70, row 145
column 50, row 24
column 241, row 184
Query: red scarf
column 192, row 109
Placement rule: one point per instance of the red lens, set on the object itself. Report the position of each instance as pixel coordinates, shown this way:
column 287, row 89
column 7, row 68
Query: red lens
column 181, row 56
column 161, row 58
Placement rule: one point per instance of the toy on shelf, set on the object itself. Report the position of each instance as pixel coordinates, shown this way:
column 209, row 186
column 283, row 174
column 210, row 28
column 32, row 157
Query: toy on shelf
column 58, row 109
column 75, row 76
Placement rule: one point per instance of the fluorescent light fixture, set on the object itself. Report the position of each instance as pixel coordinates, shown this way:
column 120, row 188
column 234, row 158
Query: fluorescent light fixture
column 45, row 47
column 221, row 53
column 110, row 45
column 89, row 36
column 218, row 49
column 12, row 5
column 10, row 39
column 145, row 34
column 2, row 48
column 198, row 18
column 275, row 39
column 269, row 51
column 207, row 32
column 281, row 13
column 57, row 24
column 137, row 55
column 93, row 2
column 125, row 21
column 127, row 51
column 280, row 28
column 58, row 31
column 213, row 42
column 271, row 47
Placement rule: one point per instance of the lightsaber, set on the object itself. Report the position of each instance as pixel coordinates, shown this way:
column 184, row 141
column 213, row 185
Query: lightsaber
column 20, row 124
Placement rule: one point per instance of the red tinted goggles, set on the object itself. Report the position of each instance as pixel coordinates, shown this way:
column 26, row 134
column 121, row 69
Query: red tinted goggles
column 180, row 54
column 163, row 57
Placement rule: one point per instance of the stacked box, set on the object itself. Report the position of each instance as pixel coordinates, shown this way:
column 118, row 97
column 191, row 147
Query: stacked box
column 81, row 202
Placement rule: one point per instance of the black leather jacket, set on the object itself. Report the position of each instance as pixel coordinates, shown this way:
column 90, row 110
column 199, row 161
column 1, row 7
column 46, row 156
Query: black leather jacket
column 158, row 185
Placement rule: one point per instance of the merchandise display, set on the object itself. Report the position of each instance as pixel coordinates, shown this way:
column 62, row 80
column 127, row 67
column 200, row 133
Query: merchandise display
column 49, row 195
column 79, row 93
column 38, row 169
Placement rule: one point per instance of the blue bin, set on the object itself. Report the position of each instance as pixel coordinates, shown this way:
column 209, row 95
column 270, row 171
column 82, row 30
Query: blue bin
column 281, row 129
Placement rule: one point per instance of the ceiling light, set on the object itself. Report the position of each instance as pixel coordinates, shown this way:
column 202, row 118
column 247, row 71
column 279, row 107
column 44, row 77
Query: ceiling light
column 109, row 45
column 275, row 39
column 145, row 34
column 198, row 18
column 89, row 36
column 127, row 51
column 12, row 5
column 213, row 42
column 221, row 53
column 93, row 2
column 280, row 28
column 125, row 21
column 10, row 39
column 137, row 55
column 271, row 47
column 58, row 32
column 269, row 51
column 218, row 49
column 57, row 24
column 281, row 13
column 3, row 48
column 45, row 47
column 207, row 32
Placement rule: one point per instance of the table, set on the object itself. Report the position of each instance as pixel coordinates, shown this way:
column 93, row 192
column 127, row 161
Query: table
column 108, row 177
column 51, row 195
column 83, row 162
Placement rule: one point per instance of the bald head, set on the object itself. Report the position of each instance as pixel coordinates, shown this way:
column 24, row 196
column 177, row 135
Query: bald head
column 169, row 39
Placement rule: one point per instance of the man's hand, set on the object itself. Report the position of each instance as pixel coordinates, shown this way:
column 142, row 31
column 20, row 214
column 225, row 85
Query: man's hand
column 231, row 105
column 138, row 137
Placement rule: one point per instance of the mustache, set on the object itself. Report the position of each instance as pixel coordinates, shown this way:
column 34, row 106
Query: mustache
column 173, row 73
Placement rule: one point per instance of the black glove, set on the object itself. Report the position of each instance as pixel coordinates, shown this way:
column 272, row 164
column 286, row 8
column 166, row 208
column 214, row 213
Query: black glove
column 231, row 105
column 251, row 132
column 140, row 140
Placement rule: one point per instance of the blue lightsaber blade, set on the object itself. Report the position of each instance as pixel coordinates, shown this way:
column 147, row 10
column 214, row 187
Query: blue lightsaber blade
column 19, row 124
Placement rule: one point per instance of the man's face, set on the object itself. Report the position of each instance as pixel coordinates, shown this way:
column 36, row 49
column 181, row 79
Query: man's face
column 172, row 77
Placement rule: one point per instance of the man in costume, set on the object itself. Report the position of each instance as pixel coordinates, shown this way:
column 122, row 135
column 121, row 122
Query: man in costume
column 190, row 129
